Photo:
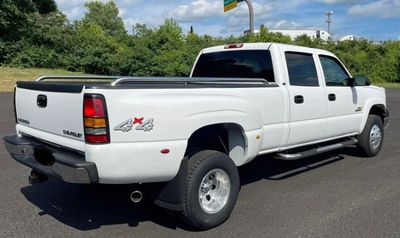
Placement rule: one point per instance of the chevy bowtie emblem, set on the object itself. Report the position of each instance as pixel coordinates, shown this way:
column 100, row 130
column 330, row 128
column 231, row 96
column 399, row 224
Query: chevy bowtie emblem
column 141, row 125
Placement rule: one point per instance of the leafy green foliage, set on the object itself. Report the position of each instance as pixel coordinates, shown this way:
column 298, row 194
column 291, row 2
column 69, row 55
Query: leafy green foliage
column 104, row 15
column 265, row 36
column 21, row 21
column 33, row 33
column 37, row 56
column 45, row 6
column 93, row 51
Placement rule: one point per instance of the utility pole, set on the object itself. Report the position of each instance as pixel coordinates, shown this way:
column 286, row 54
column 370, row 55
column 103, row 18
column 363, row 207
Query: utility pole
column 251, row 14
column 329, row 20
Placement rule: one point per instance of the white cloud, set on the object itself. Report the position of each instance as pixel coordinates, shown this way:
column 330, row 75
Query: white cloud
column 130, row 2
column 380, row 8
column 233, row 25
column 198, row 9
column 74, row 13
column 260, row 10
column 284, row 25
column 72, row 8
column 132, row 21
column 205, row 9
column 338, row 1
column 69, row 3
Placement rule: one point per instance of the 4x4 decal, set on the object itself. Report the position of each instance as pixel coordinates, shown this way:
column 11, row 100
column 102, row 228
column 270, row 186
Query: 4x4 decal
column 128, row 124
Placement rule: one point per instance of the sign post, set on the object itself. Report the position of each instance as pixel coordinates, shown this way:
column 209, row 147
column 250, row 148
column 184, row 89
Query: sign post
column 231, row 4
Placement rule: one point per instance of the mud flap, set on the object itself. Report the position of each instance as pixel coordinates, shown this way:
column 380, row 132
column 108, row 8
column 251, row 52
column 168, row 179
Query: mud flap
column 171, row 195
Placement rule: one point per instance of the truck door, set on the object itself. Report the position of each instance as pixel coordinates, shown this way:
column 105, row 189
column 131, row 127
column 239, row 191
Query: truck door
column 344, row 106
column 307, row 99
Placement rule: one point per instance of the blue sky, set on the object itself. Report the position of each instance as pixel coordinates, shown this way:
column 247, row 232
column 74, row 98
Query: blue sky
column 374, row 20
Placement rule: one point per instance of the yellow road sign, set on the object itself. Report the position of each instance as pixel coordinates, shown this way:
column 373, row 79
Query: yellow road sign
column 229, row 5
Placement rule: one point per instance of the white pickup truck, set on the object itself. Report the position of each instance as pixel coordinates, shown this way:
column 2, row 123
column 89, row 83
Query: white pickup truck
column 188, row 135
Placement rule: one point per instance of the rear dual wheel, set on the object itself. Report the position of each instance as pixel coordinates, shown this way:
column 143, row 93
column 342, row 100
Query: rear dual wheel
column 211, row 191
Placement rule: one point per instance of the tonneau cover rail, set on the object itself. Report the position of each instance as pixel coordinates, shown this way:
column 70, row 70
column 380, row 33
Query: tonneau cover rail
column 91, row 77
column 118, row 80
column 187, row 80
column 75, row 84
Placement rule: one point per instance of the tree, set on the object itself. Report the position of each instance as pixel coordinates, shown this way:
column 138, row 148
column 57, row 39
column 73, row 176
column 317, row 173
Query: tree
column 46, row 42
column 16, row 16
column 266, row 36
column 105, row 15
column 158, row 52
column 93, row 51
column 17, row 21
column 168, row 43
column 45, row 6
column 307, row 41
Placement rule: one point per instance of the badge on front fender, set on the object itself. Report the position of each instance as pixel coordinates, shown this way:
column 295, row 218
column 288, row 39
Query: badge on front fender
column 141, row 124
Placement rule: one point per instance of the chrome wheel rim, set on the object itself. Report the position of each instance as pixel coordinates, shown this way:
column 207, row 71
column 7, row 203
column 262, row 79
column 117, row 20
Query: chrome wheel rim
column 214, row 191
column 375, row 137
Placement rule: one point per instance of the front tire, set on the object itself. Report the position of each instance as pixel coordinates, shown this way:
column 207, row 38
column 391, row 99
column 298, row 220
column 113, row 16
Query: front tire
column 212, row 187
column 371, row 138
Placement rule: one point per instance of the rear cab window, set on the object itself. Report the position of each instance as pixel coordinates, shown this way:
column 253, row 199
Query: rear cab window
column 236, row 64
column 301, row 69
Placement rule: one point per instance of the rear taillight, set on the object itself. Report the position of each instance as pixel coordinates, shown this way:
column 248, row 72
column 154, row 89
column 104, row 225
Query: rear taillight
column 15, row 107
column 95, row 119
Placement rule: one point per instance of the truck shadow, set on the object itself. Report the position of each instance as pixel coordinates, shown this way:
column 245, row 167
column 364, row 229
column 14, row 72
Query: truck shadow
column 88, row 207
column 267, row 167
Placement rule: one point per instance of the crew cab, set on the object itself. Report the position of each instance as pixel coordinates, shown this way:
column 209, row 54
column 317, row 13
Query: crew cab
column 189, row 135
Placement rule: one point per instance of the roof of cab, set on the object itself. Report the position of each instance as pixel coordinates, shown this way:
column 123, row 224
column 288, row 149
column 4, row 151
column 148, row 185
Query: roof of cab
column 262, row 46
column 246, row 46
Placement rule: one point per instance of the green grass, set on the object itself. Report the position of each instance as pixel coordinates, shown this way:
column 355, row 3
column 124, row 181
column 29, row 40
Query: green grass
column 8, row 76
column 388, row 85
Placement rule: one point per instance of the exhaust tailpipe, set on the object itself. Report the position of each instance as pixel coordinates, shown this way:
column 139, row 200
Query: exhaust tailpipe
column 136, row 196
column 36, row 177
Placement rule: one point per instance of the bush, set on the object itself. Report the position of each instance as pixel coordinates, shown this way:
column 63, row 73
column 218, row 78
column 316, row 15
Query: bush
column 37, row 57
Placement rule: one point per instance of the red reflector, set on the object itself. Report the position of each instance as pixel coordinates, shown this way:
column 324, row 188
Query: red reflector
column 96, row 138
column 165, row 151
column 93, row 107
column 234, row 46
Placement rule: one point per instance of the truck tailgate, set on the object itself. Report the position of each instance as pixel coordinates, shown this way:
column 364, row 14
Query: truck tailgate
column 55, row 112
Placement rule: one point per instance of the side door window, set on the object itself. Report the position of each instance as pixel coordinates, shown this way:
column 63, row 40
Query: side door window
column 335, row 74
column 301, row 68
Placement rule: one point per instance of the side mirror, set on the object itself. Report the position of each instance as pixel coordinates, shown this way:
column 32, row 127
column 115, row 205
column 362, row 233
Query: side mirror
column 361, row 80
column 351, row 82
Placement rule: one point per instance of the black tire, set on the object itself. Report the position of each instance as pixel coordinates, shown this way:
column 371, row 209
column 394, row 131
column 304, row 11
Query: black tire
column 200, row 164
column 364, row 139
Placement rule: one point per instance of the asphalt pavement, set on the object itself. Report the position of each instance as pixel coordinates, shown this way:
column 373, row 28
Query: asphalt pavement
column 334, row 195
